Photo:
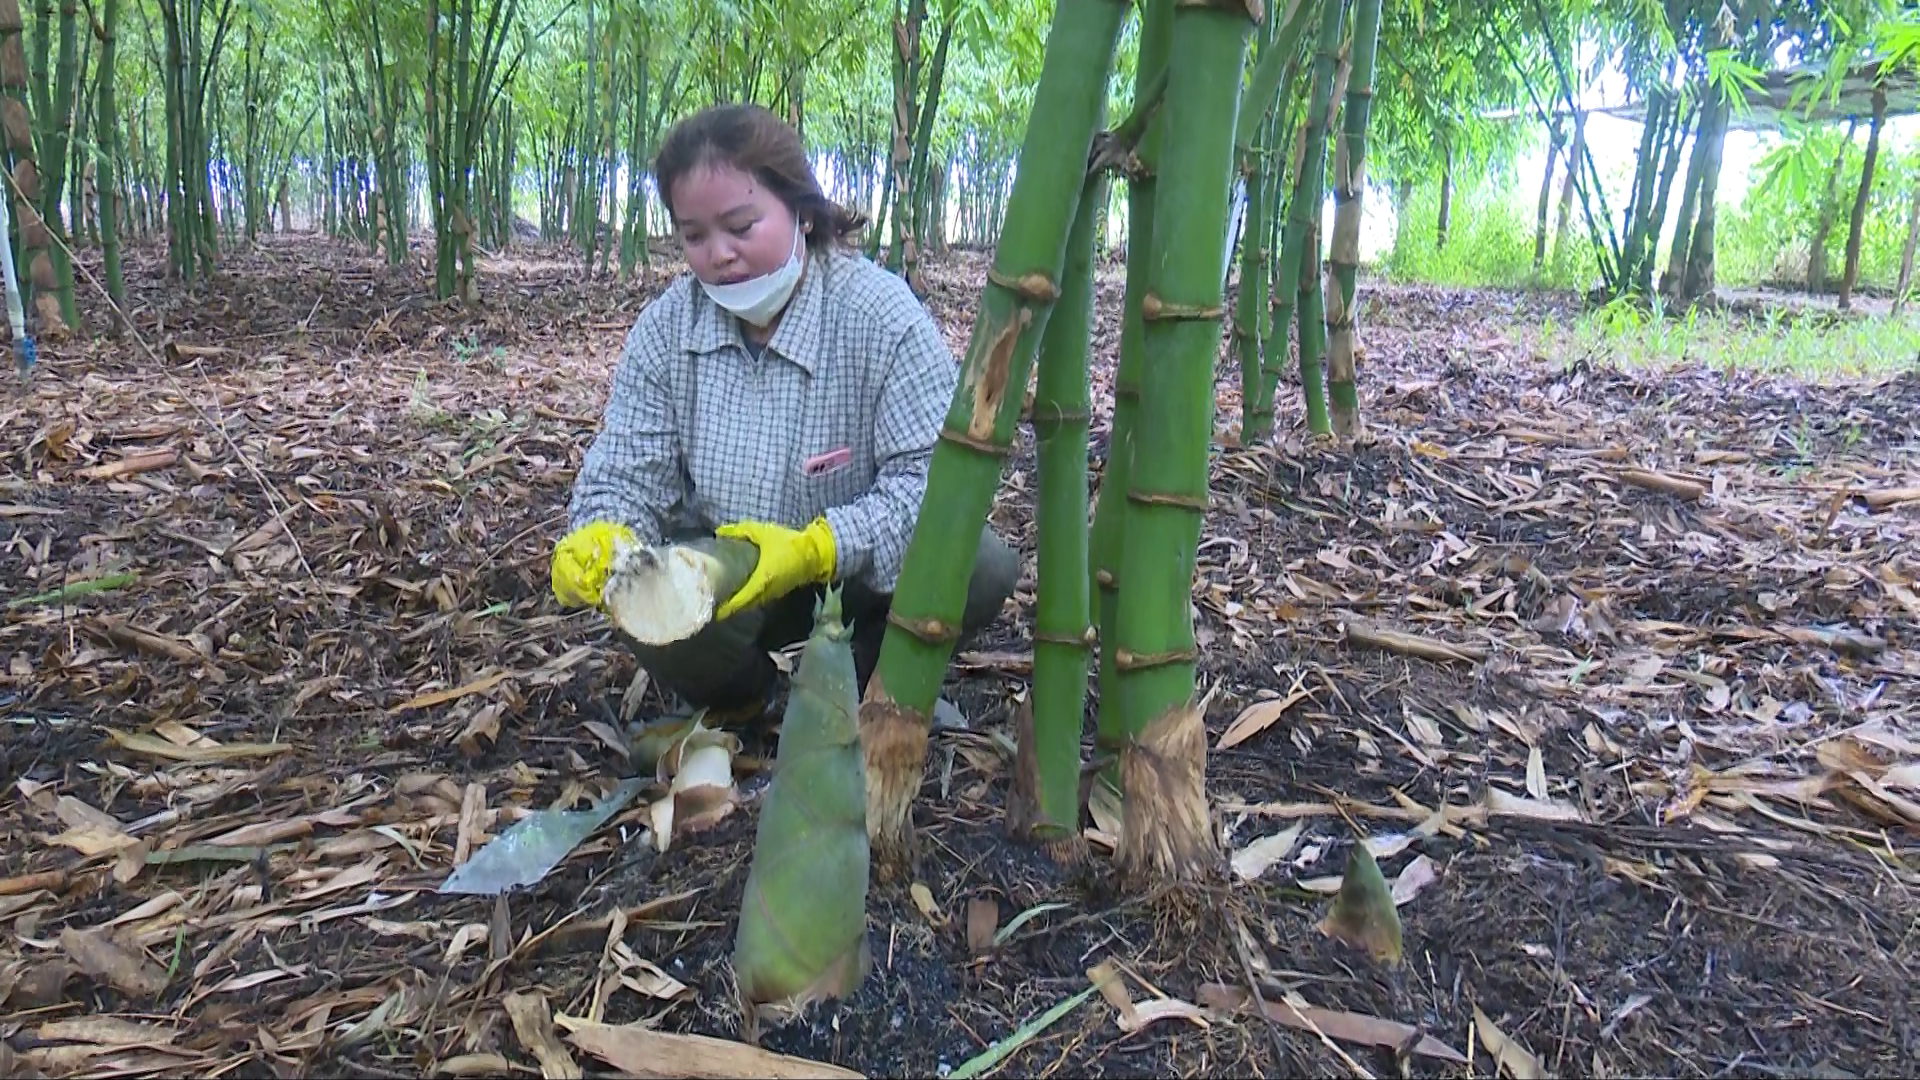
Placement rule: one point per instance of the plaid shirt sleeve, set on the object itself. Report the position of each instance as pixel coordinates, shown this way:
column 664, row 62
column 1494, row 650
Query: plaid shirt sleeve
column 871, row 533
column 631, row 474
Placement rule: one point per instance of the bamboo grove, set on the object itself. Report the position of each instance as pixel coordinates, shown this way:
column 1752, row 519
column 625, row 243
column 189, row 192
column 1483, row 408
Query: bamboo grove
column 202, row 125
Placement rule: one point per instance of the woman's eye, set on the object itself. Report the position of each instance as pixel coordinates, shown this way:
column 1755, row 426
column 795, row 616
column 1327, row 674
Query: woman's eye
column 741, row 230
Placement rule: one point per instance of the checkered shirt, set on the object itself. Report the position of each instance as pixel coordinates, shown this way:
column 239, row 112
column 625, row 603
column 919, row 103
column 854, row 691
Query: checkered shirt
column 699, row 433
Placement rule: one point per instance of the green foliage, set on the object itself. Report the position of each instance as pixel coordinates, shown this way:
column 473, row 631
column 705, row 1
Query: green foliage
column 1767, row 237
column 1810, row 346
column 1489, row 239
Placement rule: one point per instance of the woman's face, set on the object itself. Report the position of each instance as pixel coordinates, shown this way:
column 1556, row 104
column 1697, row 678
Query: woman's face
column 731, row 226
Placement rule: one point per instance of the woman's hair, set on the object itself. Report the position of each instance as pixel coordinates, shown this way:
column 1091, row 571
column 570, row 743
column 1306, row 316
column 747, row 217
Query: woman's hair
column 756, row 142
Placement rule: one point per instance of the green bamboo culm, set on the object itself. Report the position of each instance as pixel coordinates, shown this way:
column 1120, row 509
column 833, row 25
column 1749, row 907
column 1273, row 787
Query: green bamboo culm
column 1046, row 807
column 802, row 936
column 1343, row 263
column 1111, row 510
column 1300, row 245
column 1279, row 41
column 1022, row 286
column 107, row 155
column 1182, row 308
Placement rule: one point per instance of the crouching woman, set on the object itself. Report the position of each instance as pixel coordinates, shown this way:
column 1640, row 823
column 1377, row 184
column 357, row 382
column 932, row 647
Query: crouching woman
column 786, row 392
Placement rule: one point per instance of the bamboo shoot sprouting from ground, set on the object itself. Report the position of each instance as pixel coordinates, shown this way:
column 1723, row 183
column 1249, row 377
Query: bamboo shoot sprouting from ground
column 1166, row 831
column 802, row 935
column 1300, row 245
column 1046, row 803
column 1111, row 509
column 1022, row 285
column 1343, row 263
column 1280, row 41
column 664, row 594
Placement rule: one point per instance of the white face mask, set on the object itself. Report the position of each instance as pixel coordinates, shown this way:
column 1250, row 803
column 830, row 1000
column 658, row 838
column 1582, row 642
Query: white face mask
column 757, row 300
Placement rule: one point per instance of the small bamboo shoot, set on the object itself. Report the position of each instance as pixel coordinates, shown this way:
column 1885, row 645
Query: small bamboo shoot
column 802, row 936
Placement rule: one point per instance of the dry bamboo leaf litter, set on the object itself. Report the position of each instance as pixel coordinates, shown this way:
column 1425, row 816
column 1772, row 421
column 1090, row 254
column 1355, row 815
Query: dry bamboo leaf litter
column 1600, row 643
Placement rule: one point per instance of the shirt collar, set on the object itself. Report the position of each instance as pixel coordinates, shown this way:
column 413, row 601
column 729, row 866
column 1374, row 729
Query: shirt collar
column 797, row 337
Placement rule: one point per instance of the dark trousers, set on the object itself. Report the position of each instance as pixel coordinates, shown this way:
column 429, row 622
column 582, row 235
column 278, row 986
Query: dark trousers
column 725, row 667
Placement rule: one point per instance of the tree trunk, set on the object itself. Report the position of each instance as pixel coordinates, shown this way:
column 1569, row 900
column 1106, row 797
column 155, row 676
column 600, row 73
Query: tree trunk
column 107, row 135
column 1166, row 832
column 1300, row 247
column 1907, row 251
column 986, row 406
column 1264, row 95
column 1343, row 263
column 1670, row 165
column 923, row 148
column 1555, row 136
column 1563, row 217
column 906, row 72
column 1862, row 198
column 1112, row 514
column 1045, row 805
column 1446, row 202
column 1699, row 267
column 56, row 138
column 1829, row 209
column 39, row 286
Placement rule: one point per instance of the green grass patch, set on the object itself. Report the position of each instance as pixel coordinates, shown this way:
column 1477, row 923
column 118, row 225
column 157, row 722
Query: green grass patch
column 1809, row 347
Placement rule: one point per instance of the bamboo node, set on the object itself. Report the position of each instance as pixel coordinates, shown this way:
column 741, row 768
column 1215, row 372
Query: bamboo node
column 978, row 446
column 1080, row 640
column 1168, row 498
column 1054, row 415
column 1128, row 660
column 1034, row 288
column 1152, row 308
column 933, row 631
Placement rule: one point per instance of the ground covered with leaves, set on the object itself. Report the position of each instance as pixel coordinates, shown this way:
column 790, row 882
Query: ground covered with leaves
column 1616, row 670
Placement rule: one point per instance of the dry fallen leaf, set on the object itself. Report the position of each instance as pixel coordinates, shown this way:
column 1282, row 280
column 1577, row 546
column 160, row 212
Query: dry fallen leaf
column 1519, row 1062
column 1262, row 852
column 1334, row 1023
column 929, row 908
column 645, row 1054
column 1259, row 716
column 103, row 958
column 1416, row 875
column 533, row 1026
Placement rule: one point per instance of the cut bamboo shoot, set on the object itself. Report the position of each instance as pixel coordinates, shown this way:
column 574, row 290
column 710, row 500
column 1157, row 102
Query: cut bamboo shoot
column 661, row 595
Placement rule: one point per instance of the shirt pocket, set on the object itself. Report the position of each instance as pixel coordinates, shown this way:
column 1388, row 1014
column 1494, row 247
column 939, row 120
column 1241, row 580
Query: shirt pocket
column 834, row 471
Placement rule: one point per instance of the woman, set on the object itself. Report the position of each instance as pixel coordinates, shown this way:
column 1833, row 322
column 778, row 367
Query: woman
column 785, row 392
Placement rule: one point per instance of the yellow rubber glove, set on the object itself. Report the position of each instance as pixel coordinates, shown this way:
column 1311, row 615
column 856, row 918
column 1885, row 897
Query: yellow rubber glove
column 788, row 560
column 583, row 560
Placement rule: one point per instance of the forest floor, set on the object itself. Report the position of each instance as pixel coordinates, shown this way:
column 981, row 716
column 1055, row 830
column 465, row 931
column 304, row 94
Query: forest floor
column 1644, row 765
